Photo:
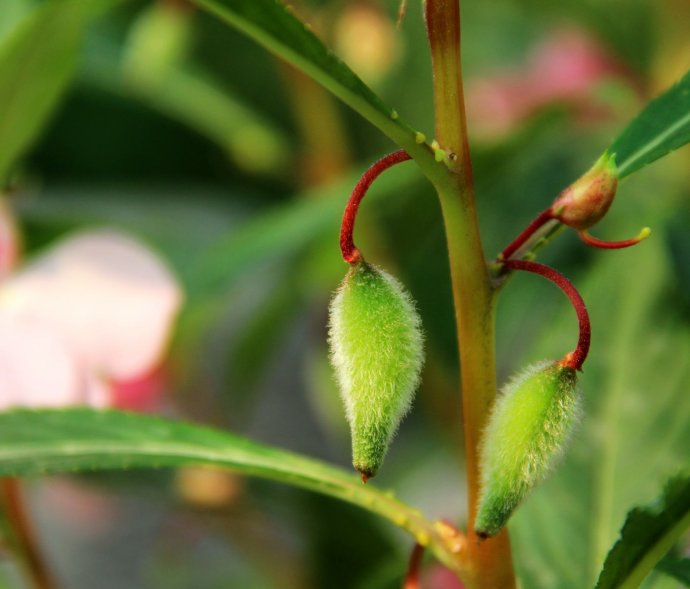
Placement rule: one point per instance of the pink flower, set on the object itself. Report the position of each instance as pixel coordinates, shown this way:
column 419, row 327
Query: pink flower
column 9, row 241
column 565, row 68
column 90, row 314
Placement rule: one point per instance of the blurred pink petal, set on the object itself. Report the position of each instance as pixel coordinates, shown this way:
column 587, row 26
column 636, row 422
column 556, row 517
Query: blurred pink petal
column 96, row 391
column 142, row 393
column 108, row 296
column 37, row 367
column 83, row 320
column 438, row 577
column 89, row 510
column 565, row 68
column 568, row 63
column 9, row 240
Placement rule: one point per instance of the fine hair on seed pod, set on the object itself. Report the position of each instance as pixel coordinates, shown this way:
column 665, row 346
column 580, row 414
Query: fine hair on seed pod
column 376, row 347
column 527, row 433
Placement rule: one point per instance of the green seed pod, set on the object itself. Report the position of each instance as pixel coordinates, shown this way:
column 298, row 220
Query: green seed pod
column 377, row 352
column 527, row 433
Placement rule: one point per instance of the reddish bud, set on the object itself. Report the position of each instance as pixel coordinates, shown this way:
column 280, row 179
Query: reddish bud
column 587, row 200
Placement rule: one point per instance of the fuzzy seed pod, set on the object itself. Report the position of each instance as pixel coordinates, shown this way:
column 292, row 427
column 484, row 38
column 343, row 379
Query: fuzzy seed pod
column 377, row 352
column 526, row 435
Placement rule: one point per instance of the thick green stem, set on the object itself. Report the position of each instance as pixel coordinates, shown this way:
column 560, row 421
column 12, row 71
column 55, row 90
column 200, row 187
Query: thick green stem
column 442, row 19
column 489, row 561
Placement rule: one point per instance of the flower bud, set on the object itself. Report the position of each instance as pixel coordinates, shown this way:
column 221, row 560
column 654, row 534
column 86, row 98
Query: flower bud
column 586, row 201
column 377, row 352
column 526, row 435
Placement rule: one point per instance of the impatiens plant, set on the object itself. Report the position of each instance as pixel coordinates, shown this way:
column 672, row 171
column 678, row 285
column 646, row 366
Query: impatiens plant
column 514, row 437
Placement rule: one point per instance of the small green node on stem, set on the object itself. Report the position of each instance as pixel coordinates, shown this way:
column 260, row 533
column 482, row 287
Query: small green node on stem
column 439, row 155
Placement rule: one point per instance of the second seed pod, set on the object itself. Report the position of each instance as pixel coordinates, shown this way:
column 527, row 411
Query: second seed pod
column 527, row 433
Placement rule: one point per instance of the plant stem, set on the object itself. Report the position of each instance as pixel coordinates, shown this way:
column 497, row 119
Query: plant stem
column 412, row 577
column 28, row 551
column 442, row 19
column 490, row 561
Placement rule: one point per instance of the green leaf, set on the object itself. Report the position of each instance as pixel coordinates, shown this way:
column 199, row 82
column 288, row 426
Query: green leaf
column 663, row 126
column 13, row 11
column 195, row 99
column 37, row 60
column 273, row 25
column 678, row 568
column 68, row 440
column 158, row 73
column 647, row 535
column 164, row 77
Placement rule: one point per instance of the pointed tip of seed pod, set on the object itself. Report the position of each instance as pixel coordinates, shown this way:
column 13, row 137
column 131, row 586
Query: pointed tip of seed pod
column 365, row 476
column 482, row 535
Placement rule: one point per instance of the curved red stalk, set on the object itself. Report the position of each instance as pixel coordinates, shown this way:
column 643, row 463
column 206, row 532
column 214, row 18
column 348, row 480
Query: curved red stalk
column 577, row 357
column 541, row 219
column 413, row 568
column 614, row 245
column 347, row 246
